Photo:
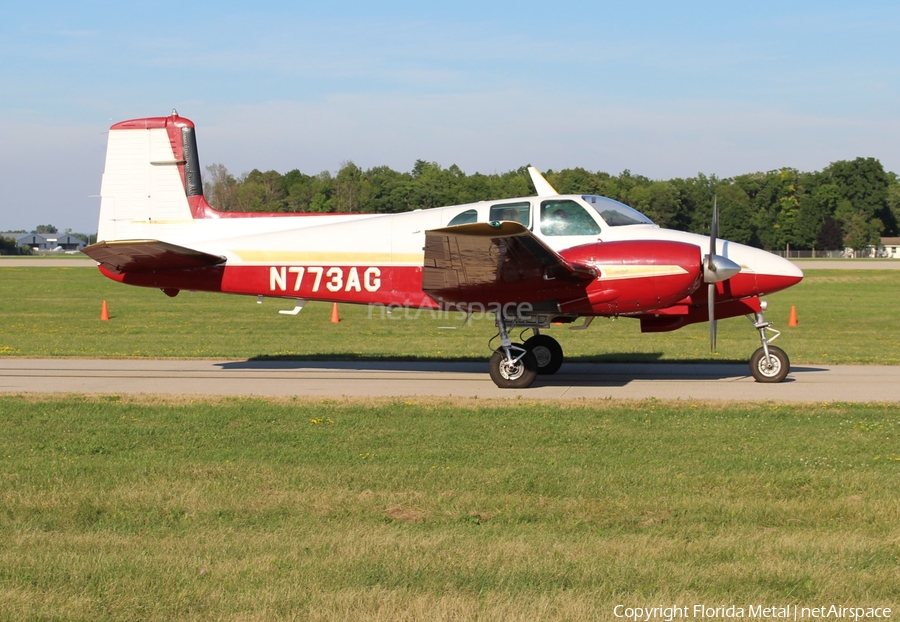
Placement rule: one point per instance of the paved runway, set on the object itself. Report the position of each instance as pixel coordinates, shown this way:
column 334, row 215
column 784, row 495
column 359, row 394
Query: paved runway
column 806, row 383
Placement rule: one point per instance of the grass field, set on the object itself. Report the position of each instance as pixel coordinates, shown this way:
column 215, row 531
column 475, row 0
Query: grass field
column 125, row 509
column 121, row 508
column 845, row 317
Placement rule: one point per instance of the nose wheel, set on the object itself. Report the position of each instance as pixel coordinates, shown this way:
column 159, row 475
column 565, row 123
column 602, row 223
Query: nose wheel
column 770, row 367
column 769, row 363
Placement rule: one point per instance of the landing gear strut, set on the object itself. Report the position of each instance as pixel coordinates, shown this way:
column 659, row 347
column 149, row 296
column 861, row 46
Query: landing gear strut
column 769, row 363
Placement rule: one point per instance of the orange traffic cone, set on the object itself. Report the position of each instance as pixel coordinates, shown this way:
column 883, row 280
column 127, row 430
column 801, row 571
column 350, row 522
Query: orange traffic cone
column 792, row 321
column 104, row 312
column 335, row 318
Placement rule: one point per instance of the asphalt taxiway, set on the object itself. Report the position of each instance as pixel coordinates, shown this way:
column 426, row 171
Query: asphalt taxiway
column 334, row 379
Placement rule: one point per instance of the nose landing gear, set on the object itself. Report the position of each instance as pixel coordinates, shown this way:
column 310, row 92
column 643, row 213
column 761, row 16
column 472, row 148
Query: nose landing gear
column 769, row 363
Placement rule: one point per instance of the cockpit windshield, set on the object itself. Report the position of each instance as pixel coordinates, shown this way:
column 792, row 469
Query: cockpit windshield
column 614, row 213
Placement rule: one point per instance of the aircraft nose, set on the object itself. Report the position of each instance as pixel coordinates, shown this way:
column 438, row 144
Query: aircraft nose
column 778, row 273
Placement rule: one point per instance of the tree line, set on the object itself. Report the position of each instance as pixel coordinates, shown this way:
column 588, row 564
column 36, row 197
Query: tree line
column 850, row 203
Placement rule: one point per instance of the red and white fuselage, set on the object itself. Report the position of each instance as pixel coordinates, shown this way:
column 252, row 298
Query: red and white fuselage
column 151, row 193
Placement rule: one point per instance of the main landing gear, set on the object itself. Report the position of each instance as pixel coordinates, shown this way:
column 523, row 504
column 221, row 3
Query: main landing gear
column 769, row 363
column 515, row 365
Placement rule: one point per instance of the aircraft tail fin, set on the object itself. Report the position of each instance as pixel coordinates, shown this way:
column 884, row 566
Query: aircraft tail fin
column 152, row 175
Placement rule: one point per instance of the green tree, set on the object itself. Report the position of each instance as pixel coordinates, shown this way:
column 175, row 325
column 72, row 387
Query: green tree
column 350, row 189
column 386, row 190
column 695, row 197
column 830, row 237
column 736, row 221
column 430, row 186
column 864, row 183
column 220, row 187
column 322, row 199
column 574, row 181
column 261, row 192
column 860, row 233
column 9, row 246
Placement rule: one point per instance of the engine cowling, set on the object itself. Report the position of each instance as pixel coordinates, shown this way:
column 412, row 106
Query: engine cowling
column 635, row 276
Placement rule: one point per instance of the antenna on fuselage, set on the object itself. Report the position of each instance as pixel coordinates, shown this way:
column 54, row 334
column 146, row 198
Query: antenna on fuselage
column 541, row 185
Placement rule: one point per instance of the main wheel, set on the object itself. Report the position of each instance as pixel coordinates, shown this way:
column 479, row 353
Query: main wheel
column 547, row 353
column 773, row 369
column 516, row 375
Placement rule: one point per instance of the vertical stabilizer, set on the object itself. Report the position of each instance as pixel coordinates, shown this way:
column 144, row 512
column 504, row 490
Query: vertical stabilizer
column 152, row 175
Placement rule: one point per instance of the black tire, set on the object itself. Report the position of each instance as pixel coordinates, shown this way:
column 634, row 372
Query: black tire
column 518, row 376
column 774, row 371
column 548, row 354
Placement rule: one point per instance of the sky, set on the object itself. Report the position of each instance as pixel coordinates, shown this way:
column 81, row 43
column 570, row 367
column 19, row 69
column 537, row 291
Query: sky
column 663, row 89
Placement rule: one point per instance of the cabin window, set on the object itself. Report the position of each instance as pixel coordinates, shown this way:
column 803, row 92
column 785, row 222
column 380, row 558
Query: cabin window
column 565, row 217
column 464, row 218
column 516, row 212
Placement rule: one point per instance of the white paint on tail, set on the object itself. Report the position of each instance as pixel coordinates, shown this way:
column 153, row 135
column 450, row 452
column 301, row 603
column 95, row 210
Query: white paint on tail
column 141, row 183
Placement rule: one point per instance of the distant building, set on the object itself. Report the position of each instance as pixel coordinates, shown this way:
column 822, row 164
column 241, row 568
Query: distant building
column 889, row 247
column 46, row 242
column 69, row 243
column 34, row 241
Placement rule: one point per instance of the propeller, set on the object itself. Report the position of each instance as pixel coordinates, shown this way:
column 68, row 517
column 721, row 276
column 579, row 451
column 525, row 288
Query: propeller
column 716, row 269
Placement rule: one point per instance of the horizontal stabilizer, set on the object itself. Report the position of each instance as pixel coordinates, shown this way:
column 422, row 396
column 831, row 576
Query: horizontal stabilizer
column 147, row 256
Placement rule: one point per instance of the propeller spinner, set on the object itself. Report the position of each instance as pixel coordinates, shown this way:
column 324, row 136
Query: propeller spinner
column 716, row 269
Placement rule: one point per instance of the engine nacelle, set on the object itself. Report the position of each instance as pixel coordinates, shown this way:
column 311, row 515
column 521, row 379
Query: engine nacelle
column 635, row 276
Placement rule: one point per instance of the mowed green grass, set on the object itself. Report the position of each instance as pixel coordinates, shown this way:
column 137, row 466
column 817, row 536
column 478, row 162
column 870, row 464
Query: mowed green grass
column 134, row 509
column 844, row 317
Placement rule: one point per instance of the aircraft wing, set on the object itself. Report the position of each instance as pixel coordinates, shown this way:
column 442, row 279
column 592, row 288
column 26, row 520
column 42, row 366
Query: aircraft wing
column 497, row 262
column 147, row 256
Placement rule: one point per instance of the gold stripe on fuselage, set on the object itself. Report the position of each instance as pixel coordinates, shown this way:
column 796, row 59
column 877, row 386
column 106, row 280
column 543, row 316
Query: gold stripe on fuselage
column 615, row 272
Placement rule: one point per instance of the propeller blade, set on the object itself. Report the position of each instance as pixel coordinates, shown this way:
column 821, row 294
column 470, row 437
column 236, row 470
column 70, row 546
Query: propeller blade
column 711, row 295
column 717, row 268
column 713, row 236
column 711, row 271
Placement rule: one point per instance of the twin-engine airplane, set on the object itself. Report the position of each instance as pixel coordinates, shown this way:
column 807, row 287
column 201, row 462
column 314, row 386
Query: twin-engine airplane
column 533, row 261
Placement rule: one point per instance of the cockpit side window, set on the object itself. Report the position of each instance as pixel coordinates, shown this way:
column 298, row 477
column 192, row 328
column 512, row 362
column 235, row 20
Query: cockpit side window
column 616, row 214
column 517, row 212
column 464, row 218
column 566, row 217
